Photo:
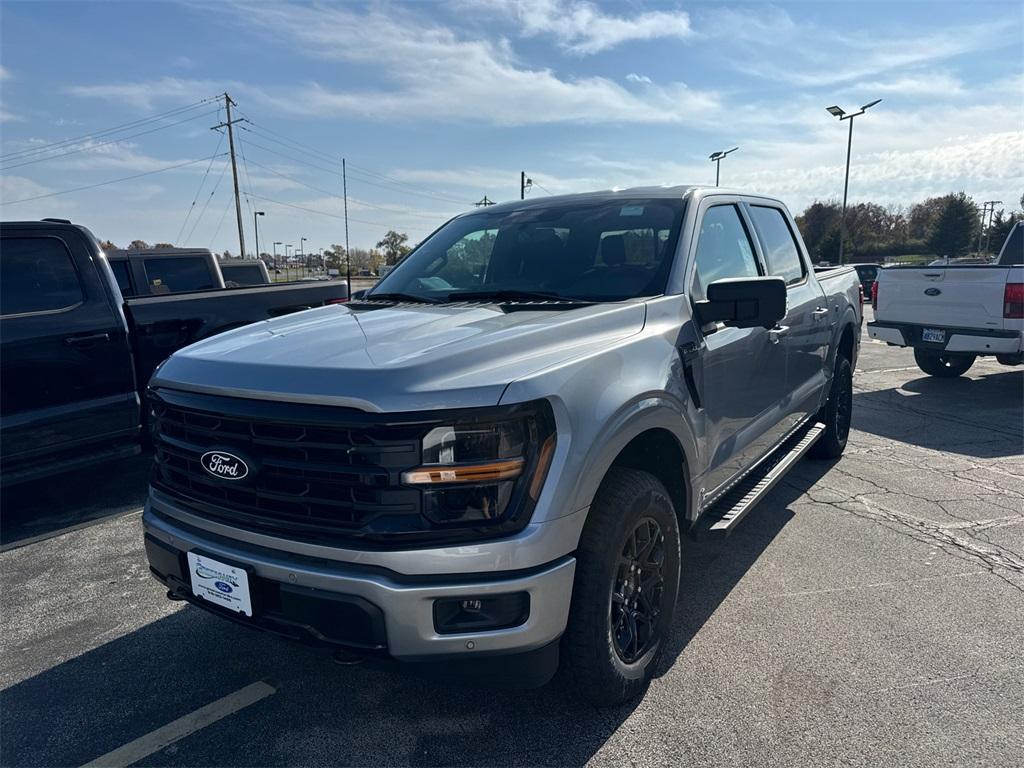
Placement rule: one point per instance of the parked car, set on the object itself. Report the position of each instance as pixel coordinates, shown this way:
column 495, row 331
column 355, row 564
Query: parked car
column 75, row 355
column 239, row 272
column 160, row 271
column 866, row 273
column 492, row 456
column 951, row 315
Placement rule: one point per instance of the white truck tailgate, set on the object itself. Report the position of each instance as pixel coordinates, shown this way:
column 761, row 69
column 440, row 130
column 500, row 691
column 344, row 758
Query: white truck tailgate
column 959, row 297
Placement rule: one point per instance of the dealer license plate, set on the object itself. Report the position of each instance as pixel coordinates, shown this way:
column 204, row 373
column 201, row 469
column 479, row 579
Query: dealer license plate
column 933, row 334
column 219, row 583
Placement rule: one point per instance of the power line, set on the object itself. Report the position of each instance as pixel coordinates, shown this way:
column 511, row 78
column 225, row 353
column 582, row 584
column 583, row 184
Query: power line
column 321, row 213
column 195, row 198
column 538, row 185
column 315, row 188
column 106, row 143
column 105, row 132
column 105, row 183
column 206, row 205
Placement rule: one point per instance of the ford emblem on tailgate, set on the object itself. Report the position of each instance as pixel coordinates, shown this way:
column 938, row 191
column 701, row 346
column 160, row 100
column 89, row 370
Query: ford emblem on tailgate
column 932, row 291
column 224, row 465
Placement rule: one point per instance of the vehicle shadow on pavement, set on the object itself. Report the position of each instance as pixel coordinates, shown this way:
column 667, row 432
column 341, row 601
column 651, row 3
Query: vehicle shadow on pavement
column 932, row 410
column 323, row 713
column 45, row 506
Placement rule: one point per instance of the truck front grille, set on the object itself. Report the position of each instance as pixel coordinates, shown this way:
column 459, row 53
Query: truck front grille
column 314, row 472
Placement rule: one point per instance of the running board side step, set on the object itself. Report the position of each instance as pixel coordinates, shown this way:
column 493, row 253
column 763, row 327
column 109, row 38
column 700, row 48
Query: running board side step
column 726, row 513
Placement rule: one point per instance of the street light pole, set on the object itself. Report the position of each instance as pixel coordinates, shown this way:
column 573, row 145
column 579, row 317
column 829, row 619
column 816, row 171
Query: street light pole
column 525, row 185
column 302, row 254
column 276, row 243
column 716, row 158
column 990, row 205
column 843, row 115
column 256, row 226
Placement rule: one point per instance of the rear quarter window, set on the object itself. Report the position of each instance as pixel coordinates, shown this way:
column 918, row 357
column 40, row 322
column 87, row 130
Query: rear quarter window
column 178, row 274
column 780, row 249
column 37, row 274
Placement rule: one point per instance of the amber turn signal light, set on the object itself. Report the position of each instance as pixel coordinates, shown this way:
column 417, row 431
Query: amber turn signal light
column 489, row 472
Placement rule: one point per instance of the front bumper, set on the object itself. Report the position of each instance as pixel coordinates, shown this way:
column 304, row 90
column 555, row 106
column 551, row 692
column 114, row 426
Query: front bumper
column 977, row 341
column 363, row 607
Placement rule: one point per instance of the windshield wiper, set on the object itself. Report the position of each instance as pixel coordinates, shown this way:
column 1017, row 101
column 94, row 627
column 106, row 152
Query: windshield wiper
column 511, row 295
column 400, row 297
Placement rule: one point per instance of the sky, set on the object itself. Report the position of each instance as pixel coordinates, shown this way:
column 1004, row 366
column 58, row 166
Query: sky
column 436, row 105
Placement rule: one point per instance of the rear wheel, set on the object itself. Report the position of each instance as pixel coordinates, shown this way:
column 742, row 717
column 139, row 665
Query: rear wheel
column 836, row 414
column 947, row 365
column 624, row 596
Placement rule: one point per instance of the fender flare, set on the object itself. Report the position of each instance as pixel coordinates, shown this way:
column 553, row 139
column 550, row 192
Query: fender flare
column 645, row 413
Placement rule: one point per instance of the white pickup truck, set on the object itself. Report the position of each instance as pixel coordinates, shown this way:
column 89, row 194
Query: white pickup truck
column 951, row 315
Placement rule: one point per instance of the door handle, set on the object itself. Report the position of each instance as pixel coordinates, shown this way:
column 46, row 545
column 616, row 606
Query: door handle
column 85, row 341
column 776, row 333
column 819, row 313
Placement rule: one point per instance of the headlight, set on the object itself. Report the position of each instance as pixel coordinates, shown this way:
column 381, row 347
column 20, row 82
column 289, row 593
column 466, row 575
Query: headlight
column 485, row 468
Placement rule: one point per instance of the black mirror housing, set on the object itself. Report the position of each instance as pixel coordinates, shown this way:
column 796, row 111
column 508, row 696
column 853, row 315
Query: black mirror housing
column 356, row 295
column 744, row 302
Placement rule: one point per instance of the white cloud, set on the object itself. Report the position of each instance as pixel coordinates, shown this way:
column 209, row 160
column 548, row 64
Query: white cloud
column 582, row 28
column 633, row 77
column 431, row 73
column 5, row 74
column 817, row 56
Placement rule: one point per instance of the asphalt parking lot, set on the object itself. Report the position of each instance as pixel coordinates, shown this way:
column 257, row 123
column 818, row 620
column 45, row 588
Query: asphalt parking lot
column 870, row 612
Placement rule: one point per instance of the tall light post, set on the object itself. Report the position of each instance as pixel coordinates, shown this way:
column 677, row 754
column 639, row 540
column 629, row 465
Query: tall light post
column 716, row 158
column 302, row 254
column 287, row 260
column 844, row 115
column 256, row 226
column 276, row 243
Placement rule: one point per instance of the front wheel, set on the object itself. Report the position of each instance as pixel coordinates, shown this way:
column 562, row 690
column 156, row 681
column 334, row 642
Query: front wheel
column 946, row 365
column 836, row 414
column 624, row 596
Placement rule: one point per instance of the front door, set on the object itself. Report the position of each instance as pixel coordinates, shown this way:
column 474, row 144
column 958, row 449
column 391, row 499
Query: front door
column 742, row 372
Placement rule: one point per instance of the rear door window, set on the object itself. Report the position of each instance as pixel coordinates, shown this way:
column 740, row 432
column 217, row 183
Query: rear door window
column 723, row 249
column 780, row 248
column 37, row 274
column 178, row 274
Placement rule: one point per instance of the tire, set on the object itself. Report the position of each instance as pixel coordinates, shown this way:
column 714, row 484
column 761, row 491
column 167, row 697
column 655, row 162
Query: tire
column 836, row 414
column 946, row 365
column 616, row 634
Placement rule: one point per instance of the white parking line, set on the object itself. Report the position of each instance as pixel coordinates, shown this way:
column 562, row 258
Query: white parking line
column 154, row 741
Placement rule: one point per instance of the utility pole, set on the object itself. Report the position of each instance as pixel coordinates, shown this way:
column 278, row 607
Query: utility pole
column 991, row 205
column 228, row 103
column 525, row 185
column 348, row 257
column 484, row 203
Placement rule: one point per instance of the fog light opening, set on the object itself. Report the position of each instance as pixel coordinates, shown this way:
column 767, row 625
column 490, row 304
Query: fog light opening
column 454, row 615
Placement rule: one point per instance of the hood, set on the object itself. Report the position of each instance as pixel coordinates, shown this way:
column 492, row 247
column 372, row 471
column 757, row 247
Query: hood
column 408, row 357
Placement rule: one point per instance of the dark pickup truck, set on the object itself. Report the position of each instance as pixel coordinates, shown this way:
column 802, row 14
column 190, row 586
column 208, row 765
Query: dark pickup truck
column 75, row 356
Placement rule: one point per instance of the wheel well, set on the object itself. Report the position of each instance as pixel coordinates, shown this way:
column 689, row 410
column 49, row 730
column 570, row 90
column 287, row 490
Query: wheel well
column 658, row 452
column 846, row 344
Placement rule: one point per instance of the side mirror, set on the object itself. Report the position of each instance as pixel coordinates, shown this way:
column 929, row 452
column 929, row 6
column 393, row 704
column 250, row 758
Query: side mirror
column 744, row 302
column 356, row 295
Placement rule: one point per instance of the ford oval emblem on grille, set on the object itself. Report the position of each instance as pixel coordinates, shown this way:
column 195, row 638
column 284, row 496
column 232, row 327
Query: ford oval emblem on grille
column 932, row 291
column 224, row 465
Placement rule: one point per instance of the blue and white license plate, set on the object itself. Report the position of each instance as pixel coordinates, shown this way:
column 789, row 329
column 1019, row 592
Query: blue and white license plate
column 936, row 335
column 219, row 583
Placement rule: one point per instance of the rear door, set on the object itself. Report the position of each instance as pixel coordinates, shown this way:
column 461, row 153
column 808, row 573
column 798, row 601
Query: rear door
column 943, row 297
column 66, row 365
column 806, row 328
column 742, row 374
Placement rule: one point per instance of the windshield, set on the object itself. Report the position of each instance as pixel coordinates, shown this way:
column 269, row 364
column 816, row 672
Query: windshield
column 582, row 251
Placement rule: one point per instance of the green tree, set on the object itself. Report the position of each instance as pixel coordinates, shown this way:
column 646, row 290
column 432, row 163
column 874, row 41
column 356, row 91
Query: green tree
column 816, row 222
column 956, row 226
column 393, row 244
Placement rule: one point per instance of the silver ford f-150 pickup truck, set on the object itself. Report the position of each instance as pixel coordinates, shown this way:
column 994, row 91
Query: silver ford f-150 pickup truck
column 491, row 456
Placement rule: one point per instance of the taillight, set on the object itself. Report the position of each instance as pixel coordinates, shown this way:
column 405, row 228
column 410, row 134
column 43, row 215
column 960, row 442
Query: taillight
column 860, row 295
column 874, row 295
column 1013, row 301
